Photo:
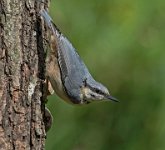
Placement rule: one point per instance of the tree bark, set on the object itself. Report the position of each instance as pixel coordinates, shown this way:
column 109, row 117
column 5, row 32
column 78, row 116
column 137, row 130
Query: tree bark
column 22, row 69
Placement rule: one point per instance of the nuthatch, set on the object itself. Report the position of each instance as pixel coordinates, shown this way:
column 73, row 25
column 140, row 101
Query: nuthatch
column 68, row 74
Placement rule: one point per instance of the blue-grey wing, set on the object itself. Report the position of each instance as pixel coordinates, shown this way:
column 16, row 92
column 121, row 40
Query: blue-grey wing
column 73, row 70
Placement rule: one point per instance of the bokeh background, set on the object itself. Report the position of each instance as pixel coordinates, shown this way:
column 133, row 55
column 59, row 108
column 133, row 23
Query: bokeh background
column 123, row 45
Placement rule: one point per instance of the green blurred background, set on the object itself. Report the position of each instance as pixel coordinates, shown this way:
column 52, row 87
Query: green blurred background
column 123, row 45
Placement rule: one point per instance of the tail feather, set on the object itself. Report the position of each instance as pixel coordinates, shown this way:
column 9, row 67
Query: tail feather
column 46, row 17
column 50, row 22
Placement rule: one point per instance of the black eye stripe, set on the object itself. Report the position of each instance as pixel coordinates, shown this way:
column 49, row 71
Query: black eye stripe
column 98, row 91
column 93, row 95
column 94, row 89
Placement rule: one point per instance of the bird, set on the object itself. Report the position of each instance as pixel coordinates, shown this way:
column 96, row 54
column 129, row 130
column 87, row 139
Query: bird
column 67, row 73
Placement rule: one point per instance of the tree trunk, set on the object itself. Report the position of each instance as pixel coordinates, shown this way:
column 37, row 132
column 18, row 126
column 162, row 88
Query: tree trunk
column 22, row 67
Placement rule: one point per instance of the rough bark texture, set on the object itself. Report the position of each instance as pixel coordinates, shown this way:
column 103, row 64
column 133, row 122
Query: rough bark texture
column 22, row 61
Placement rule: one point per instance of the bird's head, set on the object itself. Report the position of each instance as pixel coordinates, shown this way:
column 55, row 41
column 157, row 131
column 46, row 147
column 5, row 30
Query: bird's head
column 95, row 91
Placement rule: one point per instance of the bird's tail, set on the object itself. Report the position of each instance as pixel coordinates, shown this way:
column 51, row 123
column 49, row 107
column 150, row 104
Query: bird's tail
column 46, row 17
column 49, row 22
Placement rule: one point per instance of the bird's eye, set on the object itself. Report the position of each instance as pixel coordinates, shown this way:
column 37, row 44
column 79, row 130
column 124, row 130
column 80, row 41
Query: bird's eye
column 97, row 91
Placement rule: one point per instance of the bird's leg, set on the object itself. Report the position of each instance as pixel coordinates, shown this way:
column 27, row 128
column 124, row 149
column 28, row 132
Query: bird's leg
column 47, row 116
column 48, row 90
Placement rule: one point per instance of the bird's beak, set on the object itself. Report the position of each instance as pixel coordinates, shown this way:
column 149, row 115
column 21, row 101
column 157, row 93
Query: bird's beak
column 112, row 98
